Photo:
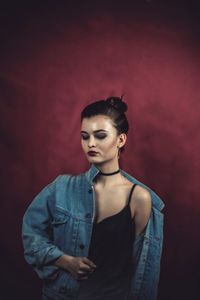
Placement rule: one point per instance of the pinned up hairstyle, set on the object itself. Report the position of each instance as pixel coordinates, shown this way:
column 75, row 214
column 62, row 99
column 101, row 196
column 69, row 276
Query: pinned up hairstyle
column 112, row 107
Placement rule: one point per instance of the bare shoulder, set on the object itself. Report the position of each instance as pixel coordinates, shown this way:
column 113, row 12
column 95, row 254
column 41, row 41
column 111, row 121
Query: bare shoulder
column 142, row 195
column 141, row 199
column 141, row 203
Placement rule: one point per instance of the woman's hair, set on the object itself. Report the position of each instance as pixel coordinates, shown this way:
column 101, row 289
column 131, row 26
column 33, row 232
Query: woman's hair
column 112, row 107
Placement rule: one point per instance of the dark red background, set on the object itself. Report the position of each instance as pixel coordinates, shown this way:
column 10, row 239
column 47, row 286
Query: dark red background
column 58, row 56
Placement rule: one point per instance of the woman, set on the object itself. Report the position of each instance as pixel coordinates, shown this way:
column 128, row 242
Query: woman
column 97, row 235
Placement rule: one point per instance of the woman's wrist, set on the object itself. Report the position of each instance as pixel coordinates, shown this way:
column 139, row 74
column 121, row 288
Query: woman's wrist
column 63, row 261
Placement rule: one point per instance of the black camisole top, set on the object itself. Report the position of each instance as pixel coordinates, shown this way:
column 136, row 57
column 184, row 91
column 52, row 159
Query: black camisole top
column 111, row 250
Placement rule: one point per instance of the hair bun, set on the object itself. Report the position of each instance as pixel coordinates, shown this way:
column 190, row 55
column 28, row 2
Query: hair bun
column 117, row 103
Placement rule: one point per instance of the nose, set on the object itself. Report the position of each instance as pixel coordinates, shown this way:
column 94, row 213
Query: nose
column 91, row 142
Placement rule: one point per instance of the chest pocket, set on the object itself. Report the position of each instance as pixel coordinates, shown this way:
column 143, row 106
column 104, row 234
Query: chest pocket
column 60, row 227
column 60, row 218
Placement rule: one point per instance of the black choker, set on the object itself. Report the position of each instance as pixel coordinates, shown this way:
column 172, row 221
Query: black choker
column 108, row 174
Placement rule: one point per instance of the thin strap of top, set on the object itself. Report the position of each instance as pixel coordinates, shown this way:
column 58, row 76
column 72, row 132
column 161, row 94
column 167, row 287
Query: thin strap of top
column 130, row 194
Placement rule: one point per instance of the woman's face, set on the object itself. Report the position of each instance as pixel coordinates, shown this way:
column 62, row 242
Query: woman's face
column 98, row 134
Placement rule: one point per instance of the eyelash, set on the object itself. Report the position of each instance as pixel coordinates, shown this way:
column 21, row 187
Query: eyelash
column 98, row 137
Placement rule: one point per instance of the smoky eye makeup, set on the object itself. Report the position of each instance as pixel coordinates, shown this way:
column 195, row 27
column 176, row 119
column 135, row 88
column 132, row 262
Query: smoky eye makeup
column 84, row 137
column 97, row 135
column 100, row 135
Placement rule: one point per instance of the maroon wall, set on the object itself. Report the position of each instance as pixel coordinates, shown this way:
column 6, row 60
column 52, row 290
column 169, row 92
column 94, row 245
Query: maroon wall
column 58, row 57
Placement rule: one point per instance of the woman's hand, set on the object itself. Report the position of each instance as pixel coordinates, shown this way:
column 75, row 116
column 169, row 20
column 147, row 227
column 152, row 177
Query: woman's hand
column 80, row 267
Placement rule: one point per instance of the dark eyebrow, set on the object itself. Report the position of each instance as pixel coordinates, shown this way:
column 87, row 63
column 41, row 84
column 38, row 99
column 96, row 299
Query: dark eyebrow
column 95, row 131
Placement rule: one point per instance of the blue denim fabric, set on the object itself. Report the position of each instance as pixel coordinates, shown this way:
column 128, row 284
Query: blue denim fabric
column 59, row 220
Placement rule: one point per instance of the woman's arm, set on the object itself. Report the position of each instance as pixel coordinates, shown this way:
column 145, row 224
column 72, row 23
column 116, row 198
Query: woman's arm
column 142, row 208
column 39, row 250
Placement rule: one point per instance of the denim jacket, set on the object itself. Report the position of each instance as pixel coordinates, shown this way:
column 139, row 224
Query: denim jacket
column 59, row 221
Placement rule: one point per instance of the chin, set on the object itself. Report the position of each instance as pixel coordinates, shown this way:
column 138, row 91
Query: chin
column 94, row 159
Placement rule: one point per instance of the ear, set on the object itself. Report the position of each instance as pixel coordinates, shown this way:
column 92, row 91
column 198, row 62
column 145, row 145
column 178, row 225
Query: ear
column 122, row 139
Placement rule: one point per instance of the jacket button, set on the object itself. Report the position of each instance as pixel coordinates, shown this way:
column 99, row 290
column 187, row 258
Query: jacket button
column 81, row 246
column 62, row 289
column 90, row 191
column 88, row 215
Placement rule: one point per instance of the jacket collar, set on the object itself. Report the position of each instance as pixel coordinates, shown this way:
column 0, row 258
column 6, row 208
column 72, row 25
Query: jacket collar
column 93, row 171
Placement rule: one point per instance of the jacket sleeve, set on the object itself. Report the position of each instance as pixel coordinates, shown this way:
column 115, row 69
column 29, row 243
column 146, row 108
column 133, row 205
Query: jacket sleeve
column 147, row 251
column 156, row 247
column 39, row 250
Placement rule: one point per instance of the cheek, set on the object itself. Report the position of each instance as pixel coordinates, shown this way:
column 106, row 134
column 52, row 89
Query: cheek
column 110, row 145
column 82, row 144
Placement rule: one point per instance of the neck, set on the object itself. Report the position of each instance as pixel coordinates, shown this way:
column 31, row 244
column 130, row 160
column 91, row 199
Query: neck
column 108, row 179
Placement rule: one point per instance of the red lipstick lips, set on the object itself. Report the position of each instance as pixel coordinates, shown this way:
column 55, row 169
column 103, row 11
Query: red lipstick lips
column 92, row 153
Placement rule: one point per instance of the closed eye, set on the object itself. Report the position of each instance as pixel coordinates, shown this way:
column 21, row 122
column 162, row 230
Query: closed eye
column 99, row 136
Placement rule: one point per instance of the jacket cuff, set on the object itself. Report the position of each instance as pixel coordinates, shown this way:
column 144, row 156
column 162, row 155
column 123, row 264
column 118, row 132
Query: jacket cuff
column 49, row 270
